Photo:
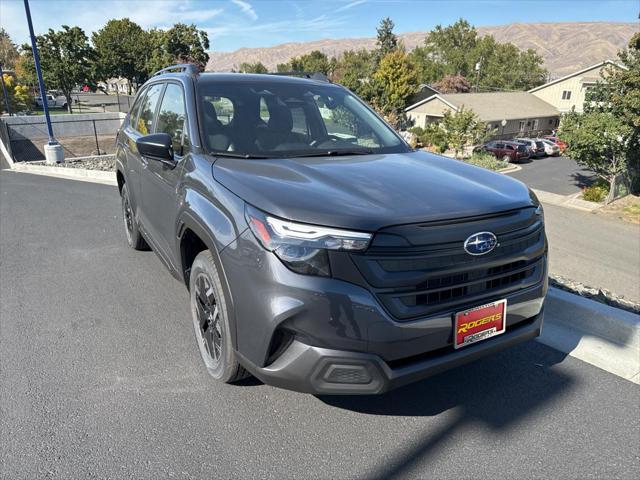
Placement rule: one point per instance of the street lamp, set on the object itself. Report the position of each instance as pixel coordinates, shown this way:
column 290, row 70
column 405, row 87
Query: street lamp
column 53, row 150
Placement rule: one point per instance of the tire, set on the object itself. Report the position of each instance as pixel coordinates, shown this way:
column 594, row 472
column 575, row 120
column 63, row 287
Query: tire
column 506, row 158
column 132, row 232
column 209, row 312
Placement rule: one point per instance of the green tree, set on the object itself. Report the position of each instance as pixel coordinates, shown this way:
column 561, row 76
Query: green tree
column 394, row 82
column 386, row 41
column 457, row 49
column 66, row 59
column 354, row 70
column 179, row 44
column 121, row 49
column 312, row 62
column 187, row 44
column 253, row 68
column 614, row 103
column 8, row 51
column 598, row 141
column 463, row 128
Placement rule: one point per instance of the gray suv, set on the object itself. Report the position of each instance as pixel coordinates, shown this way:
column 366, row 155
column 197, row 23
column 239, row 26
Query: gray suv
column 322, row 254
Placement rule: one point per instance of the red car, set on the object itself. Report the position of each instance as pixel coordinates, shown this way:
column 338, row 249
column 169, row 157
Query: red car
column 561, row 145
column 506, row 150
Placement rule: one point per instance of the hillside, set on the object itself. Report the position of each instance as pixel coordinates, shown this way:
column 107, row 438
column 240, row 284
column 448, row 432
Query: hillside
column 565, row 47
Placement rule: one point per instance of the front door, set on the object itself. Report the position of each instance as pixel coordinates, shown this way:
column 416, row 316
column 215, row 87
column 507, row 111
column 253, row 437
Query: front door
column 159, row 183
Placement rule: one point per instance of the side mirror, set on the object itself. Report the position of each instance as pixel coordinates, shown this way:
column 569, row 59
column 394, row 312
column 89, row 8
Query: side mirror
column 157, row 146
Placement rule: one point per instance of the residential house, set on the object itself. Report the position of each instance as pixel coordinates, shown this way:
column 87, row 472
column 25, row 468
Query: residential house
column 508, row 113
column 568, row 93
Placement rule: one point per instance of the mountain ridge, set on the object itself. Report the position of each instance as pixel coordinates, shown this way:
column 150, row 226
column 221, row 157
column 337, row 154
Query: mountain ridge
column 564, row 46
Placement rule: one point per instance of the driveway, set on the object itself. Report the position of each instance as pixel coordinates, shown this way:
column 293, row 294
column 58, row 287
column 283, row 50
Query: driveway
column 559, row 175
column 100, row 378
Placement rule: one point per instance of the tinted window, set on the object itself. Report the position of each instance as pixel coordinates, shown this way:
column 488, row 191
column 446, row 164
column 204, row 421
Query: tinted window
column 172, row 118
column 499, row 145
column 148, row 109
column 133, row 115
column 280, row 119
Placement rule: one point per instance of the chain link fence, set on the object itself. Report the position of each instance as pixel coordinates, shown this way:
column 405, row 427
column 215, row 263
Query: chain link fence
column 80, row 135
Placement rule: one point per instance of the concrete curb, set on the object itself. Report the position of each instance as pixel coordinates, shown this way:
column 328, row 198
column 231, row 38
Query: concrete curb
column 510, row 169
column 604, row 336
column 570, row 201
column 96, row 176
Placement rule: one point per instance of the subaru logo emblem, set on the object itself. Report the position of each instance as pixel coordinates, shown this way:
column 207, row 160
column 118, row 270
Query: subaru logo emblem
column 480, row 243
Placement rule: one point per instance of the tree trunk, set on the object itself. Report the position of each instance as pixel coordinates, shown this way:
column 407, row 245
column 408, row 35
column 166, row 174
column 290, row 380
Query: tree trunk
column 69, row 100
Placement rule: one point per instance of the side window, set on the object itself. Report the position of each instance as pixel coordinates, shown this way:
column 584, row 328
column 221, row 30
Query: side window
column 499, row 145
column 224, row 109
column 172, row 118
column 264, row 110
column 135, row 110
column 299, row 118
column 148, row 109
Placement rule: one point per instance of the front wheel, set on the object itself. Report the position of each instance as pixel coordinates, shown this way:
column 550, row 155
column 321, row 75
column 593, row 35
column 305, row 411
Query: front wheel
column 134, row 237
column 209, row 309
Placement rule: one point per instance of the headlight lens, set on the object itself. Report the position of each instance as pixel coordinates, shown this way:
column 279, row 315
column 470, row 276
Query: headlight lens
column 302, row 247
column 540, row 212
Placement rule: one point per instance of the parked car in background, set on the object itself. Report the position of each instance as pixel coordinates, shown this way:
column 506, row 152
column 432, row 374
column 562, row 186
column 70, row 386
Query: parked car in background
column 561, row 145
column 536, row 149
column 550, row 148
column 506, row 150
column 52, row 101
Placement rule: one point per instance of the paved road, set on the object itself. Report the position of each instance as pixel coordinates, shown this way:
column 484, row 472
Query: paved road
column 100, row 378
column 595, row 250
column 559, row 175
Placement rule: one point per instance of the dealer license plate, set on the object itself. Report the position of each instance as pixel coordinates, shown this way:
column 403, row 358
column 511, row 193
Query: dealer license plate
column 480, row 323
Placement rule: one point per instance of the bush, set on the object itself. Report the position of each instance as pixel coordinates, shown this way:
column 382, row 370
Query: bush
column 596, row 192
column 485, row 160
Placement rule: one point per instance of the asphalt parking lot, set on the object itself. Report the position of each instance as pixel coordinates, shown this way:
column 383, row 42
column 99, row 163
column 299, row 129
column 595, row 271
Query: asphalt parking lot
column 100, row 378
column 559, row 175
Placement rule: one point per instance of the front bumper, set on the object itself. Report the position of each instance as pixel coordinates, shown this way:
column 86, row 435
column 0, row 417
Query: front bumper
column 342, row 340
column 319, row 371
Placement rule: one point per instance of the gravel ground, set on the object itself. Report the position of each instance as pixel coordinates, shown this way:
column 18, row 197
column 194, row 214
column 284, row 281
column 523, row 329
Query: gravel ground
column 601, row 295
column 105, row 163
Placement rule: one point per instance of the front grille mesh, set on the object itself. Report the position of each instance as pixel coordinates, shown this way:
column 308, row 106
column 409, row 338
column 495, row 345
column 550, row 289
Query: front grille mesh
column 429, row 279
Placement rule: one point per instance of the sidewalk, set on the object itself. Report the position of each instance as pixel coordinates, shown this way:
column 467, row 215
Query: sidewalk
column 596, row 251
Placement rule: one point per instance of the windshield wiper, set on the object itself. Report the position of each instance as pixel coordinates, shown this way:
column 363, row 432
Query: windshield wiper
column 333, row 153
column 247, row 156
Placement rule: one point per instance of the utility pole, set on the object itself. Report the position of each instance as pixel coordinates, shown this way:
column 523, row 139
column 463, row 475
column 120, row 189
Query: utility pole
column 4, row 92
column 53, row 150
column 478, row 66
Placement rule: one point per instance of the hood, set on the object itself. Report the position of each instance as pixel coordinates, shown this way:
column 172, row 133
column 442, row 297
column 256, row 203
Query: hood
column 372, row 191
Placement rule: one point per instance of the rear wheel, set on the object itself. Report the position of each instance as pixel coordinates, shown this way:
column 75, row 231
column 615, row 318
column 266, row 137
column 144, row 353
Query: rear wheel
column 209, row 309
column 134, row 237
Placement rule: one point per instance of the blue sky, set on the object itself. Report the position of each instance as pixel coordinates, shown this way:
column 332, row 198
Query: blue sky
column 233, row 24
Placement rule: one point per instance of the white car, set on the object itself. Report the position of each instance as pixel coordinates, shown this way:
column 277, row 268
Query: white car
column 550, row 148
column 52, row 101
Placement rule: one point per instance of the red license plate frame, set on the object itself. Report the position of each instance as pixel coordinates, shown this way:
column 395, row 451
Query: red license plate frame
column 479, row 323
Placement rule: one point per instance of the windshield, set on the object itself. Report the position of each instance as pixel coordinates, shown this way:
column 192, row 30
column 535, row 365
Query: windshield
column 285, row 119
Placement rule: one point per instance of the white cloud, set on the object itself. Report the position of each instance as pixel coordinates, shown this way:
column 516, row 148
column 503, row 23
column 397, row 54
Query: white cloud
column 246, row 8
column 350, row 5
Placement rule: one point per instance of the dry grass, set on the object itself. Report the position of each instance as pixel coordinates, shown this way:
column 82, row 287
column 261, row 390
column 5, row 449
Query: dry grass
column 626, row 208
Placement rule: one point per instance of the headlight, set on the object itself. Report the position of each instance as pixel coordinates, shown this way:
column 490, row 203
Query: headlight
column 302, row 247
column 540, row 212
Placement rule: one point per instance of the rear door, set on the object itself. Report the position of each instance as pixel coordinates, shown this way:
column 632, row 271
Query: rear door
column 159, row 182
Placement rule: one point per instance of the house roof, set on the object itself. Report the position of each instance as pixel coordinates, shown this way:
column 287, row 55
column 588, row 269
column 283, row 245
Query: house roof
column 496, row 106
column 579, row 72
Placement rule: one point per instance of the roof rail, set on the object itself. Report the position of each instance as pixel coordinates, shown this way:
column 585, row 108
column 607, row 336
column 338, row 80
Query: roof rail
column 312, row 76
column 189, row 68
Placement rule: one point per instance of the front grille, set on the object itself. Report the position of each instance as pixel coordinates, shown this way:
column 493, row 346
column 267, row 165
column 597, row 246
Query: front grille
column 428, row 278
